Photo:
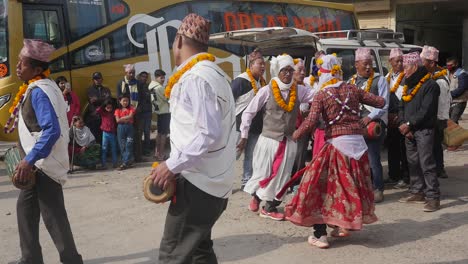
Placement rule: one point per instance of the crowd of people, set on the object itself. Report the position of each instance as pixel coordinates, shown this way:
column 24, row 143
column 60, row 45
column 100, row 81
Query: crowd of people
column 121, row 125
column 276, row 121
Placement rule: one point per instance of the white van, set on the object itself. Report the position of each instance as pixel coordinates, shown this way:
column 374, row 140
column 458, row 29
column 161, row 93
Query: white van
column 303, row 44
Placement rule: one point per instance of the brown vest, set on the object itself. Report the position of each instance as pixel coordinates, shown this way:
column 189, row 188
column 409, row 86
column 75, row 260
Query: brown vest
column 278, row 123
column 29, row 116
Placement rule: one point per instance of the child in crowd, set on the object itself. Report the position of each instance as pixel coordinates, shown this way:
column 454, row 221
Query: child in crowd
column 108, row 127
column 124, row 117
column 83, row 149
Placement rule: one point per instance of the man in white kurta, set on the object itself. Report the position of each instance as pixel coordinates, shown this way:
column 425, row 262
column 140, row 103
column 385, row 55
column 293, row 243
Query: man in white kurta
column 275, row 150
column 202, row 147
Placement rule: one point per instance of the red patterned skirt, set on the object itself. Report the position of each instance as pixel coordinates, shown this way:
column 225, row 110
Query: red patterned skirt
column 334, row 190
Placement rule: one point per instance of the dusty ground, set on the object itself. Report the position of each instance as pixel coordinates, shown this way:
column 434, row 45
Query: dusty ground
column 113, row 223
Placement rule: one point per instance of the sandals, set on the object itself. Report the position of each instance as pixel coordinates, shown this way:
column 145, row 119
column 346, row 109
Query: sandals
column 339, row 232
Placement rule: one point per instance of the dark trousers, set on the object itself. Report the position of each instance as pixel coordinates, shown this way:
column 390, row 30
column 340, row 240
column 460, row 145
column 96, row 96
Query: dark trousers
column 320, row 230
column 437, row 149
column 397, row 161
column 46, row 199
column 374, row 146
column 422, row 165
column 456, row 111
column 187, row 232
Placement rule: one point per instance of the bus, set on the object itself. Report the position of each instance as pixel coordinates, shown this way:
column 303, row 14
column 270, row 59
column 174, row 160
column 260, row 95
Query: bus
column 104, row 35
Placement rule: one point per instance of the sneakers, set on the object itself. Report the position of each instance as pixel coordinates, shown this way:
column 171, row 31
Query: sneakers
column 413, row 198
column 401, row 185
column 321, row 242
column 378, row 196
column 254, row 205
column 339, row 232
column 432, row 205
column 272, row 215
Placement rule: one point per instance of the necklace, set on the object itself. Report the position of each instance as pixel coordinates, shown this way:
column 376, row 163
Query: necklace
column 279, row 99
column 344, row 106
column 175, row 78
column 253, row 82
column 408, row 97
column 369, row 81
column 397, row 83
column 12, row 121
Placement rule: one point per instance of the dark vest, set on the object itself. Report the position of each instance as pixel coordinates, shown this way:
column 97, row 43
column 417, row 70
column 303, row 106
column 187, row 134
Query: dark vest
column 29, row 116
column 374, row 89
column 278, row 123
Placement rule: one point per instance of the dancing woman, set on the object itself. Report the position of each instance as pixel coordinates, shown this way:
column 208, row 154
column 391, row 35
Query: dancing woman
column 336, row 188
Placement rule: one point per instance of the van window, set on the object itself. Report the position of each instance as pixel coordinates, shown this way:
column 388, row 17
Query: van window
column 347, row 57
column 384, row 55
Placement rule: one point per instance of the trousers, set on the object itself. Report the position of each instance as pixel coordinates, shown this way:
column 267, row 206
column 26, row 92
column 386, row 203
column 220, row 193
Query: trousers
column 187, row 232
column 46, row 199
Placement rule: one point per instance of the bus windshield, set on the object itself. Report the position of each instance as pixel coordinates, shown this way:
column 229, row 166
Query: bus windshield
column 3, row 31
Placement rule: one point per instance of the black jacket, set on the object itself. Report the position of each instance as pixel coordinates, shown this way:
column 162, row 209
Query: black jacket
column 421, row 112
column 144, row 96
column 241, row 86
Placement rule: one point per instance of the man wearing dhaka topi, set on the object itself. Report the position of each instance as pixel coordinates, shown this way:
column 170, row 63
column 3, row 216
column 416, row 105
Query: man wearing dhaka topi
column 41, row 113
column 203, row 142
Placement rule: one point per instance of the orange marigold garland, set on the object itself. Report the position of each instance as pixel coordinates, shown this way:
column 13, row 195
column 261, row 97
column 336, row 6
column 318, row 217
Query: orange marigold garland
column 397, row 83
column 408, row 97
column 312, row 80
column 369, row 81
column 442, row 72
column 279, row 99
column 253, row 82
column 330, row 82
column 12, row 121
column 176, row 76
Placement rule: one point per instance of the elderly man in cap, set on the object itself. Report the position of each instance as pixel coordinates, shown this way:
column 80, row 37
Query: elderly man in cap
column 140, row 99
column 418, row 116
column 398, row 171
column 372, row 82
column 97, row 94
column 203, row 143
column 275, row 150
column 430, row 57
column 244, row 88
column 43, row 136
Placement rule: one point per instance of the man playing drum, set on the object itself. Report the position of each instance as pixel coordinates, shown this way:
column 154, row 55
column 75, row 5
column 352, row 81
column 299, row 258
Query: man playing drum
column 43, row 129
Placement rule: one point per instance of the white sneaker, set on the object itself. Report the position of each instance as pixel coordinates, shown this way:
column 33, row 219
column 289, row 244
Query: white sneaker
column 321, row 242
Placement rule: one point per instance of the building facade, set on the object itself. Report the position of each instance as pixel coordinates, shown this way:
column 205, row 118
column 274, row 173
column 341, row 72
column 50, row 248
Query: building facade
column 439, row 23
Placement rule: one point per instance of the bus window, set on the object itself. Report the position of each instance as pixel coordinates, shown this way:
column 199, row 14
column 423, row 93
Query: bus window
column 88, row 16
column 44, row 25
column 3, row 41
column 347, row 57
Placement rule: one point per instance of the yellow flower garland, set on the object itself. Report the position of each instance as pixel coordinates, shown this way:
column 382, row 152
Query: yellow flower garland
column 175, row 78
column 398, row 81
column 22, row 89
column 369, row 81
column 279, row 99
column 440, row 73
column 253, row 82
column 408, row 97
column 312, row 80
column 330, row 82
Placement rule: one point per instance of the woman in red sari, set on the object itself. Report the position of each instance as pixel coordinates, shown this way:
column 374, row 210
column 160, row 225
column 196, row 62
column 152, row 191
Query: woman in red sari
column 336, row 188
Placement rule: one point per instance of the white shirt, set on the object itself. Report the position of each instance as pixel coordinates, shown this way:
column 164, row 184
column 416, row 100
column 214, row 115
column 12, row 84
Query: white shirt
column 304, row 95
column 393, row 80
column 445, row 99
column 196, row 99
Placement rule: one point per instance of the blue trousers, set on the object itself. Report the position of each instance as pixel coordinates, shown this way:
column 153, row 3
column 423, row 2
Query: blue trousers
column 109, row 139
column 125, row 136
column 374, row 146
column 248, row 157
